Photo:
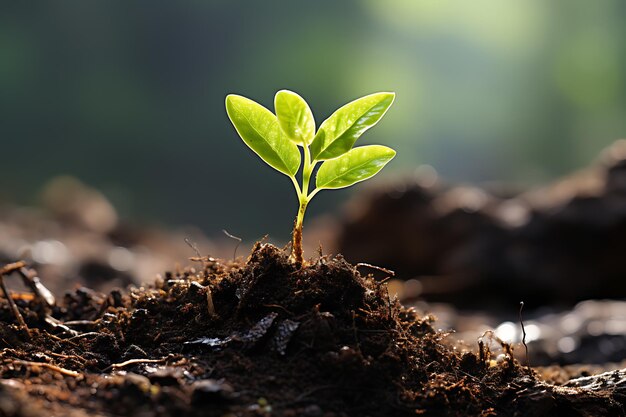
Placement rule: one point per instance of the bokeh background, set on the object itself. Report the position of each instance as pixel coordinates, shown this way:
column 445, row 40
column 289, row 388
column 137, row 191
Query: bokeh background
column 128, row 96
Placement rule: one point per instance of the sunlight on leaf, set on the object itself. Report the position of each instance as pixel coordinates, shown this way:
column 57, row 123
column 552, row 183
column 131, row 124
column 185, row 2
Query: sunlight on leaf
column 338, row 133
column 354, row 166
column 259, row 129
column 295, row 117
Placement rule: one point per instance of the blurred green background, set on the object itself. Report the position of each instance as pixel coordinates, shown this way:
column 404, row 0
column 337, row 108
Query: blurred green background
column 128, row 96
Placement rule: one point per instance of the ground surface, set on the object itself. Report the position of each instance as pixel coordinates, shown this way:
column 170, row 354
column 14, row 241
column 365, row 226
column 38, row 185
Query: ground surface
column 261, row 338
column 488, row 248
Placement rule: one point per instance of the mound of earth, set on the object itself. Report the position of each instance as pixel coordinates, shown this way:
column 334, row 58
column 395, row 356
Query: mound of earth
column 261, row 338
column 489, row 248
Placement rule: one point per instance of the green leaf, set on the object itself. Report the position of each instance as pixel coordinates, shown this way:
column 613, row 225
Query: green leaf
column 295, row 117
column 338, row 133
column 354, row 166
column 259, row 129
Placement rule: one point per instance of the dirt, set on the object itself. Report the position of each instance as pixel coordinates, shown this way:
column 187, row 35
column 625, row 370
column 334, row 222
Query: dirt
column 76, row 236
column 273, row 340
column 487, row 248
column 258, row 338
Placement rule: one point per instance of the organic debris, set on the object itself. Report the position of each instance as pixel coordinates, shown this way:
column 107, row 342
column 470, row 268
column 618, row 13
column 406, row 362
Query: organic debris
column 320, row 340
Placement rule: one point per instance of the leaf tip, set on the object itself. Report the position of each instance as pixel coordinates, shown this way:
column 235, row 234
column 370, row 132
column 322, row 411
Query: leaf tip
column 391, row 95
column 283, row 91
column 286, row 93
column 230, row 99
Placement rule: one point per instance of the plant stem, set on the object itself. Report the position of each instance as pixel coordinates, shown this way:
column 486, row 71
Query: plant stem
column 306, row 172
column 303, row 198
column 297, row 234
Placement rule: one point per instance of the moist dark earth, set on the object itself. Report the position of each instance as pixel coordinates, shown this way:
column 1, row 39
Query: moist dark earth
column 489, row 248
column 262, row 337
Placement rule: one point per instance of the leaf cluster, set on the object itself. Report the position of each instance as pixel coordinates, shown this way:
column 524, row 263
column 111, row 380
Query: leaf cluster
column 276, row 138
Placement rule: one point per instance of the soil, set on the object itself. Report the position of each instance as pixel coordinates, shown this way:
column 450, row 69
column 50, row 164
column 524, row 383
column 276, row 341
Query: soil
column 488, row 248
column 76, row 236
column 261, row 338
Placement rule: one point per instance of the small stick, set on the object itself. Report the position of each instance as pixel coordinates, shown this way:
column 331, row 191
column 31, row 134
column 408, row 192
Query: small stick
column 193, row 247
column 7, row 269
column 62, row 356
column 204, row 260
column 10, row 268
column 237, row 239
column 49, row 366
column 82, row 335
column 521, row 322
column 31, row 280
column 199, row 258
column 133, row 362
column 81, row 322
column 378, row 268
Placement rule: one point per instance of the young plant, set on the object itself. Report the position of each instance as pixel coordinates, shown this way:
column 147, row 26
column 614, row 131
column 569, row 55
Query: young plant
column 275, row 138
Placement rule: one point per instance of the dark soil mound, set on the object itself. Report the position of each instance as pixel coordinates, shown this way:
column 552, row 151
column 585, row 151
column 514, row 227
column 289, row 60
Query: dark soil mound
column 258, row 339
column 487, row 249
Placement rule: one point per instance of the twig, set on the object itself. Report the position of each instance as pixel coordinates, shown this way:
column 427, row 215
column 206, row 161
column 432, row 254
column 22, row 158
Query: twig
column 13, row 306
column 80, row 322
column 49, row 366
column 62, row 356
column 521, row 322
column 193, row 247
column 7, row 269
column 237, row 239
column 80, row 336
column 204, row 260
column 31, row 280
column 10, row 268
column 134, row 362
column 378, row 268
column 199, row 258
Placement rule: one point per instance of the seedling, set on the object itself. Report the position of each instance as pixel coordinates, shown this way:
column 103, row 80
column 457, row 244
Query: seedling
column 275, row 138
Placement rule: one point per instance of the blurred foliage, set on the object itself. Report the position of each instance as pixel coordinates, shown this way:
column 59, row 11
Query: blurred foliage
column 129, row 95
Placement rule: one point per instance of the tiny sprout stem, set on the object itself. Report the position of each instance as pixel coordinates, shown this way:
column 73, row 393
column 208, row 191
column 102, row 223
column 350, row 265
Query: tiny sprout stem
column 296, row 185
column 306, row 171
column 315, row 191
column 297, row 233
column 303, row 198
